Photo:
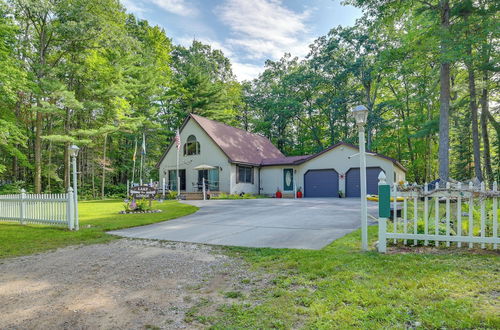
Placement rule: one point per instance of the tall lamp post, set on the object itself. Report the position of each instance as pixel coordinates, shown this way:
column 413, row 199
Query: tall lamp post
column 73, row 152
column 360, row 114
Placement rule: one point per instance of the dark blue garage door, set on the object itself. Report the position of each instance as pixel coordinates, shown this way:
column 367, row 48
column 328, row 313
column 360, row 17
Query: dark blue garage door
column 352, row 182
column 321, row 183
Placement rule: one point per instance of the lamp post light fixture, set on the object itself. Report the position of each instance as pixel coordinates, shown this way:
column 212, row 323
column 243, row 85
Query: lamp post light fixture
column 360, row 114
column 73, row 152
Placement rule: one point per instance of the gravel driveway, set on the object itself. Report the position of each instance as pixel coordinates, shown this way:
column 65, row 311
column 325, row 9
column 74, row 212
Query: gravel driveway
column 127, row 284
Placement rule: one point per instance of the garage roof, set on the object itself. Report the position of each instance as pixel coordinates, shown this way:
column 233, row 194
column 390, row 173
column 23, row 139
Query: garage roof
column 296, row 160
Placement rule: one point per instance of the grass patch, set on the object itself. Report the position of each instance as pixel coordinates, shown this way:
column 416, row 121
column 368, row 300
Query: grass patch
column 233, row 294
column 341, row 287
column 96, row 217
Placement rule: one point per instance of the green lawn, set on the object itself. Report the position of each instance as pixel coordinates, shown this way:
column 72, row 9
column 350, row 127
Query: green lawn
column 336, row 287
column 96, row 217
column 341, row 287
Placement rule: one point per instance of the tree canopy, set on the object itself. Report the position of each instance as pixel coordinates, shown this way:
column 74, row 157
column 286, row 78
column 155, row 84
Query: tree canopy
column 86, row 72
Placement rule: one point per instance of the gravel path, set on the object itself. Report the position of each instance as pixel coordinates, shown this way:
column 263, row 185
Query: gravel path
column 133, row 284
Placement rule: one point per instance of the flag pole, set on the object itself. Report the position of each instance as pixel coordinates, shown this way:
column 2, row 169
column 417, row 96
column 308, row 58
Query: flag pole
column 143, row 152
column 178, row 177
column 140, row 172
column 133, row 158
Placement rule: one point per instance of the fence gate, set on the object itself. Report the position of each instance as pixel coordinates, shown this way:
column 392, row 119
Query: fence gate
column 53, row 209
column 454, row 215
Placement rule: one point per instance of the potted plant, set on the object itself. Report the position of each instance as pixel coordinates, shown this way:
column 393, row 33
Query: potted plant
column 299, row 192
column 341, row 194
column 278, row 193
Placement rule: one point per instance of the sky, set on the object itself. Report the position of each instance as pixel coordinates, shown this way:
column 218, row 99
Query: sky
column 247, row 31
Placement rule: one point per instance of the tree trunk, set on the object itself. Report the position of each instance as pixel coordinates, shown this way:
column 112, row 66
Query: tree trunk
column 476, row 147
column 15, row 169
column 67, row 161
column 484, row 129
column 444, row 97
column 93, row 180
column 103, row 178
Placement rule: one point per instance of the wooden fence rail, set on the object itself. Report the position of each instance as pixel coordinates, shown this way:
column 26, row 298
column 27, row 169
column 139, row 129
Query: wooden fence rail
column 452, row 215
column 53, row 209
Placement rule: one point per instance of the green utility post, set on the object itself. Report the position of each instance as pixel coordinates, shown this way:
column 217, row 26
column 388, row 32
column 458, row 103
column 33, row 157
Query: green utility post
column 384, row 211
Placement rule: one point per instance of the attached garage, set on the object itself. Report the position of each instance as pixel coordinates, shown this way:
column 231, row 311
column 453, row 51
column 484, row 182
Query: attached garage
column 328, row 172
column 321, row 183
column 353, row 181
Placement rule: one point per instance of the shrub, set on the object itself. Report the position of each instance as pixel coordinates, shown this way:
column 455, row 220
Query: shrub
column 171, row 195
column 236, row 196
column 11, row 188
column 143, row 205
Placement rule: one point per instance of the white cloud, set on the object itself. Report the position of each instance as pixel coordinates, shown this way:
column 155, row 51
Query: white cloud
column 243, row 71
column 266, row 28
column 179, row 7
column 187, row 41
column 246, row 71
column 135, row 7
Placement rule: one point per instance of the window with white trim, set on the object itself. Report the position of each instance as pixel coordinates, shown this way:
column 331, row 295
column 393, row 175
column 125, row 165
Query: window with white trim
column 244, row 174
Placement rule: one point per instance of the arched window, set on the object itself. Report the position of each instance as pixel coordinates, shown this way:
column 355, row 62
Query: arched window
column 191, row 147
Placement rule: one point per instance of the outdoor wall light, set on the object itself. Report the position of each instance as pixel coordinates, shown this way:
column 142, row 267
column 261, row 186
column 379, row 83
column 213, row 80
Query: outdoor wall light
column 360, row 114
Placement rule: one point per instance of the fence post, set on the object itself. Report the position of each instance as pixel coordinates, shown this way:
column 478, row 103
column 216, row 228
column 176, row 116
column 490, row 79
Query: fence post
column 382, row 229
column 395, row 210
column 70, row 209
column 448, row 186
column 471, row 212
column 22, row 207
column 384, row 211
column 459, row 213
column 426, row 213
column 495, row 214
column 482, row 201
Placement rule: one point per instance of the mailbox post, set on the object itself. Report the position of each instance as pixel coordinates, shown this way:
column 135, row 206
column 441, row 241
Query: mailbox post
column 384, row 211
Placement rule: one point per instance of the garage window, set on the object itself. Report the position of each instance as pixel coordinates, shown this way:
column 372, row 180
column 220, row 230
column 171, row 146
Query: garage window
column 245, row 174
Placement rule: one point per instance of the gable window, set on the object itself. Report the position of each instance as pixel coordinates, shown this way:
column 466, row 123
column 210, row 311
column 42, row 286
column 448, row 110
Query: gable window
column 191, row 147
column 244, row 174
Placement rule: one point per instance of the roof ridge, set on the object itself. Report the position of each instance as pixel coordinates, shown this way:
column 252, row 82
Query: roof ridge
column 227, row 125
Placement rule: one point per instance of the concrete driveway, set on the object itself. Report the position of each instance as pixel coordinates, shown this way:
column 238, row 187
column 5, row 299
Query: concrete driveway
column 277, row 223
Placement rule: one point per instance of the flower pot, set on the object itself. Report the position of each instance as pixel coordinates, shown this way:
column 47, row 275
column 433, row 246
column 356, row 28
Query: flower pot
column 279, row 194
column 299, row 194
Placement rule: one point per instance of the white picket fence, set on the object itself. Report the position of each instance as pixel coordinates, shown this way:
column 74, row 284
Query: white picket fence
column 53, row 209
column 468, row 216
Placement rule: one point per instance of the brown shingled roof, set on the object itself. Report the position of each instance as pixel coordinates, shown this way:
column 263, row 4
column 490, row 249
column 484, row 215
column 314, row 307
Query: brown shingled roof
column 284, row 160
column 239, row 145
column 295, row 160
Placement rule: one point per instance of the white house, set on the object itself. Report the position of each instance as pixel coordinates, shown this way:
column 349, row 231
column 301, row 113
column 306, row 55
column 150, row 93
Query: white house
column 246, row 162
